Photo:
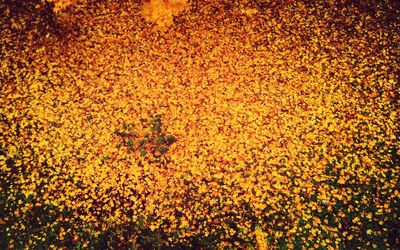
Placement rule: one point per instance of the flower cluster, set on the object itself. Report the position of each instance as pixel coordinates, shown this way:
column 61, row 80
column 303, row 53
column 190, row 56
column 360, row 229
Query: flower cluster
column 242, row 125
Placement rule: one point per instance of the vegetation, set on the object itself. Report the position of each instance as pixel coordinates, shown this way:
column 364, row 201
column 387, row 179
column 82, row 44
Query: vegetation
column 199, row 124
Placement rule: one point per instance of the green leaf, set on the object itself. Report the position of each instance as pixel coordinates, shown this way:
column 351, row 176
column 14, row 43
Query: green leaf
column 151, row 139
column 163, row 149
column 160, row 139
column 170, row 139
column 143, row 141
column 155, row 128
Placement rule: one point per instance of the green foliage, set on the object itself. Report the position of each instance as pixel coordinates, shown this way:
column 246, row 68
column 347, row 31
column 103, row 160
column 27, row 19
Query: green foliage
column 154, row 142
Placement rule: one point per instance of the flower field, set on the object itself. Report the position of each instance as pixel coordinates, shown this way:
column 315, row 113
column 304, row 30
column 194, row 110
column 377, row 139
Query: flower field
column 201, row 125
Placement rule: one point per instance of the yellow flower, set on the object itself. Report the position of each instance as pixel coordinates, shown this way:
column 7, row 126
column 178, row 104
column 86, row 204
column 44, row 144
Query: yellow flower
column 261, row 240
column 153, row 227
